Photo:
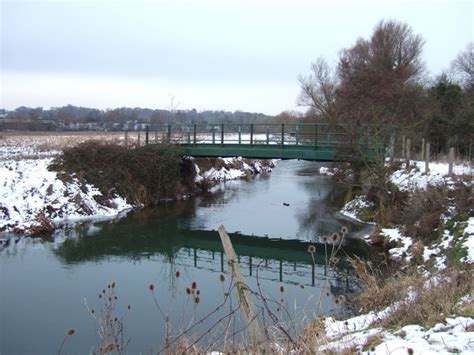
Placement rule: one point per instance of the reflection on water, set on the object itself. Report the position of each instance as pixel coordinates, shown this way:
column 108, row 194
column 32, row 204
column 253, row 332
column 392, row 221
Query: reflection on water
column 44, row 284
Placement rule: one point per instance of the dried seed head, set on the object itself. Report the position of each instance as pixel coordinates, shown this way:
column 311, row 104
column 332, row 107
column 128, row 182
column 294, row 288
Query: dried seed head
column 115, row 319
column 410, row 351
column 115, row 297
column 325, row 238
column 301, row 286
column 71, row 332
column 103, row 291
column 100, row 295
column 222, row 277
column 178, row 274
column 108, row 286
column 311, row 249
column 92, row 311
column 188, row 290
column 196, row 300
column 110, row 299
column 344, row 230
column 129, row 307
column 198, row 292
column 335, row 237
column 194, row 285
column 113, row 284
column 151, row 287
column 336, row 300
column 282, row 289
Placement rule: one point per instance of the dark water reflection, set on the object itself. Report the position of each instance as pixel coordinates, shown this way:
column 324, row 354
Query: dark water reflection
column 44, row 284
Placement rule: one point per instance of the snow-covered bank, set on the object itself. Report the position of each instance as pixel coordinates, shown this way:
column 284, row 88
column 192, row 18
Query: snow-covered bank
column 427, row 257
column 29, row 192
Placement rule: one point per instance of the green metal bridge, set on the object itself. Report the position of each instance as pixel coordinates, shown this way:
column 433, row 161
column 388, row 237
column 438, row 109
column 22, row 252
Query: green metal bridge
column 308, row 141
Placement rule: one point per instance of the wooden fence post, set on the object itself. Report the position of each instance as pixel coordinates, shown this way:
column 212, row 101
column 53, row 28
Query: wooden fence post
column 427, row 158
column 451, row 161
column 403, row 147
column 246, row 303
column 422, row 149
column 407, row 151
column 126, row 139
column 138, row 141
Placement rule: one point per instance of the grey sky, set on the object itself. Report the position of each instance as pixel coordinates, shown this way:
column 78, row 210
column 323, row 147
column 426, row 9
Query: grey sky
column 209, row 55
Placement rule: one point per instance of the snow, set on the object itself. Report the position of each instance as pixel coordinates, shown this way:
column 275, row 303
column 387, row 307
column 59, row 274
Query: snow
column 29, row 189
column 230, row 171
column 417, row 178
column 353, row 207
column 450, row 336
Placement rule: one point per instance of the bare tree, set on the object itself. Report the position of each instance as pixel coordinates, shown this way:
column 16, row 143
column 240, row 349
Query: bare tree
column 318, row 89
column 464, row 65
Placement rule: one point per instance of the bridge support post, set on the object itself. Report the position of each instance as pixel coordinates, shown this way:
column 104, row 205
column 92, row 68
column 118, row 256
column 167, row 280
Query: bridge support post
column 194, row 134
column 222, row 134
column 240, row 135
column 268, row 135
column 315, row 136
column 282, row 135
column 251, row 135
column 213, row 135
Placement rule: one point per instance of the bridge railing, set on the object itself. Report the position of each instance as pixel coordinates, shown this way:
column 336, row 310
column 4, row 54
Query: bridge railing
column 297, row 134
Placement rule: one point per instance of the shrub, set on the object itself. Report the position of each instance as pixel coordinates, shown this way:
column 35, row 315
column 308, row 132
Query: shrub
column 145, row 175
column 420, row 213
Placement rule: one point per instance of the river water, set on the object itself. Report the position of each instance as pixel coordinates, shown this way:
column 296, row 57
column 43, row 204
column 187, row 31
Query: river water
column 45, row 285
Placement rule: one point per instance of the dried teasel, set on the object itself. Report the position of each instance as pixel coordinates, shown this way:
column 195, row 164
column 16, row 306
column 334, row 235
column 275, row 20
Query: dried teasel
column 335, row 237
column 151, row 287
column 196, row 300
column 71, row 332
column 113, row 284
column 311, row 249
column 178, row 274
column 129, row 307
column 188, row 290
column 344, row 230
column 282, row 289
column 301, row 285
column 222, row 277
column 194, row 285
column 325, row 238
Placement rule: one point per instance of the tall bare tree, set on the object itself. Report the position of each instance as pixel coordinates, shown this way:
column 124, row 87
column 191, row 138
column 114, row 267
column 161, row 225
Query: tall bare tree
column 464, row 65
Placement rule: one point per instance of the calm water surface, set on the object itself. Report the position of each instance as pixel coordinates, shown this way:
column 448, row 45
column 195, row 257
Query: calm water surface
column 44, row 285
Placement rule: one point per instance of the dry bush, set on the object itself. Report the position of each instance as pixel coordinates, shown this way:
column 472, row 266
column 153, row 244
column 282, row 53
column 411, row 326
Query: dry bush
column 145, row 175
column 42, row 227
column 380, row 291
column 431, row 302
column 420, row 213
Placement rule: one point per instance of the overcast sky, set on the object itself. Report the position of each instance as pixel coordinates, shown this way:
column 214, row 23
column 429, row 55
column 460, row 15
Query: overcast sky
column 241, row 55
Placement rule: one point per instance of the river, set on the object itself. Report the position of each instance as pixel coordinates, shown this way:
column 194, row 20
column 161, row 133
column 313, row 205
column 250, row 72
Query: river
column 272, row 220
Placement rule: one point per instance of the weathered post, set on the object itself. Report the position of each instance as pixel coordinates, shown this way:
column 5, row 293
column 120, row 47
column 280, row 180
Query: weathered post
column 146, row 135
column 403, row 147
column 194, row 134
column 126, row 139
column 422, row 149
column 168, row 133
column 427, row 158
column 451, row 161
column 138, row 139
column 240, row 135
column 268, row 135
column 407, row 151
column 246, row 303
column 213, row 134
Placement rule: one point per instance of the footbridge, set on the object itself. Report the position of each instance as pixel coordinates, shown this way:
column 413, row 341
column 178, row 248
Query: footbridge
column 308, row 141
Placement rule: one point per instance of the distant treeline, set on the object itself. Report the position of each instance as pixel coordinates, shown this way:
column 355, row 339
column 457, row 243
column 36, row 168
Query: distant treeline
column 82, row 118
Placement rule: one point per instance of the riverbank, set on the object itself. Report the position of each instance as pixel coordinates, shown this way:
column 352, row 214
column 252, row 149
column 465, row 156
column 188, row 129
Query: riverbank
column 425, row 303
column 35, row 200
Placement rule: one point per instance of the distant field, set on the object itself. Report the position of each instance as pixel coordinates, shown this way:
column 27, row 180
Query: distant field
column 20, row 145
